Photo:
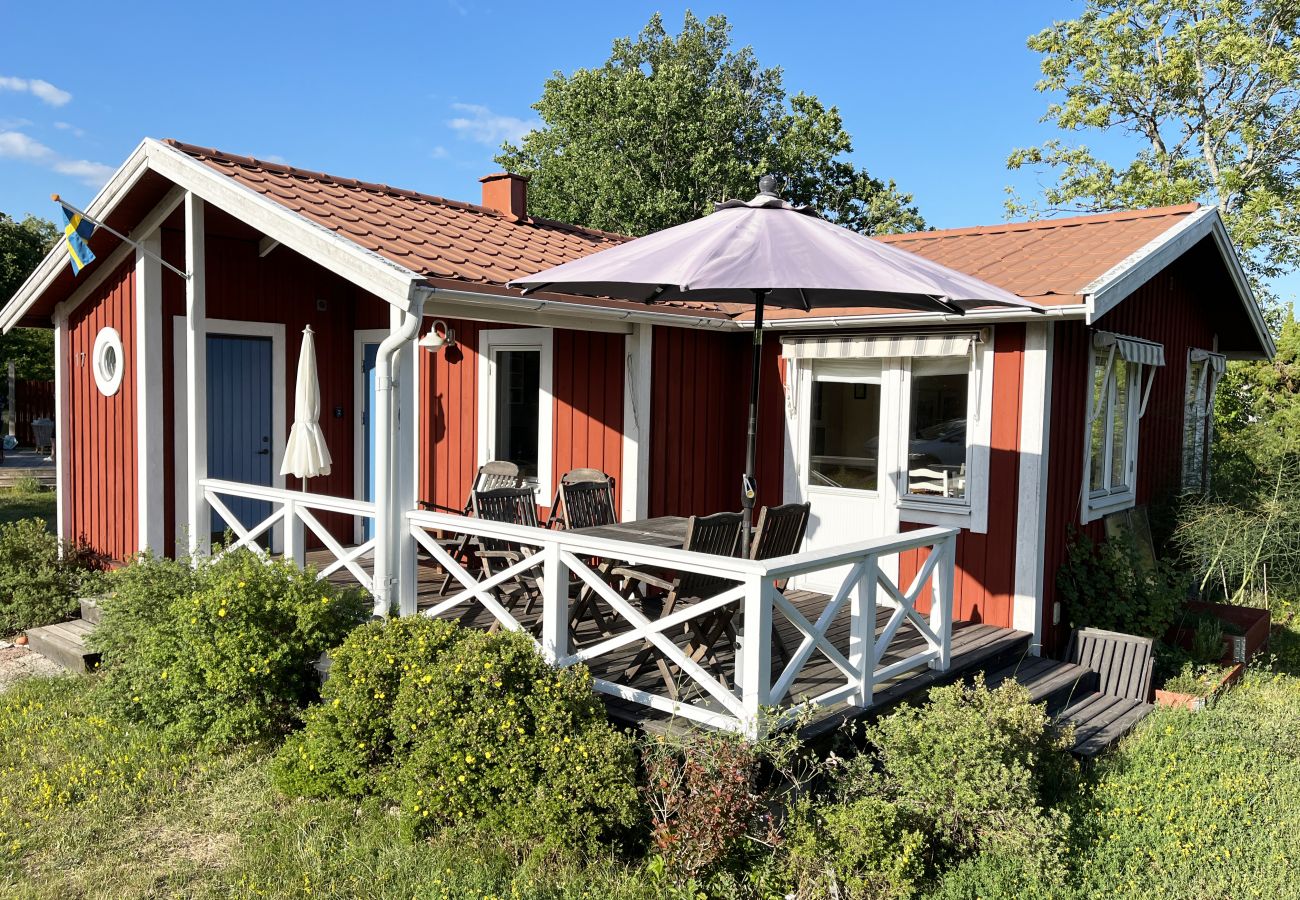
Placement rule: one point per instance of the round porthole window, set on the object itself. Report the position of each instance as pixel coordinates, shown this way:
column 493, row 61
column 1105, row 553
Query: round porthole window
column 108, row 361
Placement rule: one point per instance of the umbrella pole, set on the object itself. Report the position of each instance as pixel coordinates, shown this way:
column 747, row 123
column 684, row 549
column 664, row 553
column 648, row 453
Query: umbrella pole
column 749, row 487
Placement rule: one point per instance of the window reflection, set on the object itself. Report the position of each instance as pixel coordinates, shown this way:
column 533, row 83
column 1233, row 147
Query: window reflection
column 936, row 442
column 845, row 439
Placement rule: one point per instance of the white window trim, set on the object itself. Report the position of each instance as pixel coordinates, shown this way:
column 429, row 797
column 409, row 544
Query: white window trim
column 972, row 512
column 108, row 382
column 543, row 339
column 1097, row 505
column 1209, row 383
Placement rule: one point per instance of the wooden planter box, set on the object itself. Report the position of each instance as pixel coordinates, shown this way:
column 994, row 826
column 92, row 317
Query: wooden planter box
column 1253, row 625
column 1194, row 703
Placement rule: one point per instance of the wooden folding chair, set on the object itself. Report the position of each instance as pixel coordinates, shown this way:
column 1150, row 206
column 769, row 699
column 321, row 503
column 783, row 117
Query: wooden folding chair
column 516, row 506
column 490, row 476
column 718, row 534
column 585, row 499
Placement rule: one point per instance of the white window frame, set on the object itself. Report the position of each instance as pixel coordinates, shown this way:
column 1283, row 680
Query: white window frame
column 1097, row 504
column 489, row 342
column 1207, row 386
column 108, row 339
column 972, row 511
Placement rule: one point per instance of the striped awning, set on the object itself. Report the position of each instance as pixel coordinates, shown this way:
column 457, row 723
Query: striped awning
column 878, row 346
column 1130, row 349
column 1218, row 362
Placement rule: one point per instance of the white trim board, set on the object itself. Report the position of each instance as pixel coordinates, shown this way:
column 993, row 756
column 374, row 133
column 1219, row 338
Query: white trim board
column 638, row 367
column 1031, row 504
column 149, row 397
column 542, row 339
column 279, row 406
column 360, row 337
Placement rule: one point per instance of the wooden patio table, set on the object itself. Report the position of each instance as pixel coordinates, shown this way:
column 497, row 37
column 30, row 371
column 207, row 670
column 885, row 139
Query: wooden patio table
column 660, row 531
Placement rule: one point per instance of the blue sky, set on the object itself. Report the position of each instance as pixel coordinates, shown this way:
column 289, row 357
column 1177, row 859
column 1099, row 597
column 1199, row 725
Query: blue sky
column 420, row 94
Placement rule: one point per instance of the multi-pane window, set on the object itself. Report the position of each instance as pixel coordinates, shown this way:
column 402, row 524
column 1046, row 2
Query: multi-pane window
column 1203, row 372
column 1123, row 369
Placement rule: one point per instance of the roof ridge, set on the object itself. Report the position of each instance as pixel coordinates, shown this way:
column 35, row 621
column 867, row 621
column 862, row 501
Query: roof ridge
column 375, row 187
column 1046, row 224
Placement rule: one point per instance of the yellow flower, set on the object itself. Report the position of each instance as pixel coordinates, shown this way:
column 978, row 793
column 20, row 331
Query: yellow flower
column 222, row 612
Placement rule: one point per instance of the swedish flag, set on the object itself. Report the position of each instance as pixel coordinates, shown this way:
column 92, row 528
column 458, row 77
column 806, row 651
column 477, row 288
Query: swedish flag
column 76, row 231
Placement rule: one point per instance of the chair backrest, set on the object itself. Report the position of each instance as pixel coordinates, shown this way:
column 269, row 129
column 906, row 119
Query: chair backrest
column 718, row 534
column 497, row 473
column 515, row 505
column 585, row 499
column 1123, row 662
column 780, row 530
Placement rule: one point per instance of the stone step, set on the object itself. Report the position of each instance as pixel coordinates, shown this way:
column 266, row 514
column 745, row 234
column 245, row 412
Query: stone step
column 65, row 644
column 91, row 611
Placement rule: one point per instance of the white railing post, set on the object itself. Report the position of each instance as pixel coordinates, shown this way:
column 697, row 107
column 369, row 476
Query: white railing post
column 754, row 657
column 294, row 543
column 862, row 630
column 555, row 604
column 941, row 587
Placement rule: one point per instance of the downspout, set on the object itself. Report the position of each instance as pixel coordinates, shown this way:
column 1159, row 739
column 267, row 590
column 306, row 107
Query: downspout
column 388, row 516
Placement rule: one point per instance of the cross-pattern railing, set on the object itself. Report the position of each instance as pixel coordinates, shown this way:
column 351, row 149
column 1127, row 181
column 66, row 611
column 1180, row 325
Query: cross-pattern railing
column 552, row 573
column 295, row 512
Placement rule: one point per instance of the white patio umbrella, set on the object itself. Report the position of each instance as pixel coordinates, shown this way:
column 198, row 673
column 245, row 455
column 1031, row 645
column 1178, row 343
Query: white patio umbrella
column 305, row 455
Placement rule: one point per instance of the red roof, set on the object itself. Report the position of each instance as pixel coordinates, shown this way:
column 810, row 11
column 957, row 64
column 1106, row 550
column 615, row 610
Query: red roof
column 432, row 236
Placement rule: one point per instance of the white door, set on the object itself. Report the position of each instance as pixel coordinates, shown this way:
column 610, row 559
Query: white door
column 844, row 454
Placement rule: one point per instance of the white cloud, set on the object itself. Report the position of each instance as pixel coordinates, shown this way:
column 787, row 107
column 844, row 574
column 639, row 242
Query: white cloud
column 481, row 124
column 41, row 90
column 19, row 146
column 70, row 129
column 11, row 124
column 439, row 152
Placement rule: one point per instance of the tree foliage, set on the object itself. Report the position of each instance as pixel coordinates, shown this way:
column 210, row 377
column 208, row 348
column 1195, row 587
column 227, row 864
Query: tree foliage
column 1209, row 90
column 22, row 245
column 669, row 125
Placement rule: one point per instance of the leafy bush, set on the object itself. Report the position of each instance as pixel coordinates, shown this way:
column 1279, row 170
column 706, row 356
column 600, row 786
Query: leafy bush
column 1110, row 586
column 462, row 728
column 38, row 582
column 348, row 740
column 973, row 771
column 224, row 654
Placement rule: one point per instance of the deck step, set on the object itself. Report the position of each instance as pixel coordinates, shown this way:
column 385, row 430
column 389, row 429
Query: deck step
column 43, row 476
column 1050, row 681
column 1100, row 720
column 91, row 611
column 65, row 644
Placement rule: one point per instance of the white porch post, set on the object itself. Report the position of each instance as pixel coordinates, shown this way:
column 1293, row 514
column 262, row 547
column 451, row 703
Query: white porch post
column 196, row 376
column 635, row 489
column 754, row 658
column 149, row 393
column 941, row 587
column 1031, row 509
column 406, row 462
column 62, row 418
column 862, row 630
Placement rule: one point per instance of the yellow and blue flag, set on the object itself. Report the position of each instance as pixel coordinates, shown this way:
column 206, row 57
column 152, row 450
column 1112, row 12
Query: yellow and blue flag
column 76, row 231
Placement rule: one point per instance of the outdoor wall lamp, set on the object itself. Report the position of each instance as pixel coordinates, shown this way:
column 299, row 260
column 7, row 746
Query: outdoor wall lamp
column 436, row 340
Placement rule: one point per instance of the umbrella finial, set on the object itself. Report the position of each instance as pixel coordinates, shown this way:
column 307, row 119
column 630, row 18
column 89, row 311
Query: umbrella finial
column 769, row 186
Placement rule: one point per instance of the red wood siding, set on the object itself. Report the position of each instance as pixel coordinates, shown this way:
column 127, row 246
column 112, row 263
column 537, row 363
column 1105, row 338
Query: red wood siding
column 1169, row 310
column 699, row 409
column 103, row 506
column 288, row 289
column 587, row 386
column 984, row 582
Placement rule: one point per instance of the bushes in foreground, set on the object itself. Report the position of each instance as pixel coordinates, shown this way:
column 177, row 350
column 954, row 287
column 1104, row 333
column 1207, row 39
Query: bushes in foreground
column 222, row 652
column 39, row 577
column 1111, row 586
column 461, row 728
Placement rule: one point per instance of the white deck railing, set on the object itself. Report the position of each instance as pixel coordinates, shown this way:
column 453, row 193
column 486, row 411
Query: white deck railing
column 296, row 510
column 743, row 696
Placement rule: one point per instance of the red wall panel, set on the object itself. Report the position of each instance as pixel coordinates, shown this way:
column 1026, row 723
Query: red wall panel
column 101, row 431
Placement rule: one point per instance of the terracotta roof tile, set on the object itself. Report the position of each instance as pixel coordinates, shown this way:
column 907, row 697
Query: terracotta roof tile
column 431, row 235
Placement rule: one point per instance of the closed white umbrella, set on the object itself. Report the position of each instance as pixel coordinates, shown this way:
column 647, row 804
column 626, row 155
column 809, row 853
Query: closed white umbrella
column 305, row 455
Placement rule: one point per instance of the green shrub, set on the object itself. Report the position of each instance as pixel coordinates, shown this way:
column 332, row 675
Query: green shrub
column 973, row 771
column 348, row 739
column 1110, row 586
column 863, row 848
column 224, row 654
column 466, row 729
column 38, row 585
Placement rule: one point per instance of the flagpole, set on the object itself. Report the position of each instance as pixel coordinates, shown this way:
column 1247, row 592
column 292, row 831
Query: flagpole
column 136, row 244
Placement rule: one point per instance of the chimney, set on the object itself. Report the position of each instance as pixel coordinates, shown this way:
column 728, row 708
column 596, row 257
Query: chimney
column 506, row 193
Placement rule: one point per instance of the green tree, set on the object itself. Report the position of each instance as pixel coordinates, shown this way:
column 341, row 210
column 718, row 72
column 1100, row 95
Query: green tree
column 1208, row 90
column 22, row 245
column 669, row 125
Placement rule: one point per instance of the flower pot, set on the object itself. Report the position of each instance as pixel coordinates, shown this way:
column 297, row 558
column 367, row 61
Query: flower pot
column 1195, row 703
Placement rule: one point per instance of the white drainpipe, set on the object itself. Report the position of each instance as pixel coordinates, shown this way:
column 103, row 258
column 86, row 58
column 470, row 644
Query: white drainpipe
column 388, row 517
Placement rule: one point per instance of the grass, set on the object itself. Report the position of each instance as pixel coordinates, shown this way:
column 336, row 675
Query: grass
column 27, row 501
column 1190, row 806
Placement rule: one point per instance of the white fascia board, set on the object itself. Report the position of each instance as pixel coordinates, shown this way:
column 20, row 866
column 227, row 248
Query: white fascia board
column 1108, row 290
column 117, row 187
column 366, row 269
column 481, row 306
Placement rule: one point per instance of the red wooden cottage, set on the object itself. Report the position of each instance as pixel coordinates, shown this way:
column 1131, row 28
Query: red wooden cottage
column 946, row 455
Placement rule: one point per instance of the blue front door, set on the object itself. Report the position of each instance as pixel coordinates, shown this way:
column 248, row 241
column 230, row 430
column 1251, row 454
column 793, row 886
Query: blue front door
column 240, row 422
column 370, row 352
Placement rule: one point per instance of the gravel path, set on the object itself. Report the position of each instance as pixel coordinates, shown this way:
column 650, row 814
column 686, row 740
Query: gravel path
column 17, row 663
